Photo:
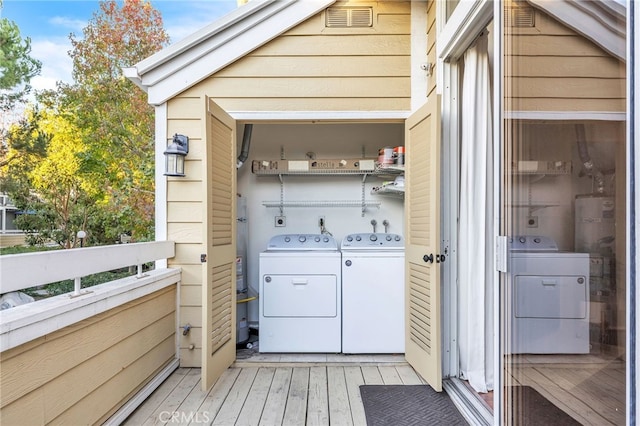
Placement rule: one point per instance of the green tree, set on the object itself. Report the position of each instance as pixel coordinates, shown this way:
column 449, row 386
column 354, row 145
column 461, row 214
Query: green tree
column 17, row 67
column 53, row 188
column 118, row 121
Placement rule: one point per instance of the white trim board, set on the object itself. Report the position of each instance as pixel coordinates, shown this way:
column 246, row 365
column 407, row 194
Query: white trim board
column 317, row 116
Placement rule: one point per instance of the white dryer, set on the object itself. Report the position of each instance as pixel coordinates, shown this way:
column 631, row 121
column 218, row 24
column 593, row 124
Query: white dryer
column 372, row 293
column 300, row 294
column 549, row 297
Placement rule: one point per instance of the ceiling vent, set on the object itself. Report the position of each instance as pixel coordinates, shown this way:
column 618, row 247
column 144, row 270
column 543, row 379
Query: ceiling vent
column 519, row 17
column 349, row 17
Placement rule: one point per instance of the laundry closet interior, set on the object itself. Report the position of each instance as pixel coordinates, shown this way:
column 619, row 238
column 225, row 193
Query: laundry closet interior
column 303, row 189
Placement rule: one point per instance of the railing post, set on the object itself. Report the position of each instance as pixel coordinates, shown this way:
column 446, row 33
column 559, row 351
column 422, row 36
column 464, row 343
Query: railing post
column 77, row 283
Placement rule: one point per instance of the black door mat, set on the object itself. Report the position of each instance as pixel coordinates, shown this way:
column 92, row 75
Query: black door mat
column 530, row 408
column 408, row 405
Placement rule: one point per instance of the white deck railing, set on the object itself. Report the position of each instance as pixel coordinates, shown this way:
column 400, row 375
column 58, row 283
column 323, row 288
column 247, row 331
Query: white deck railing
column 20, row 271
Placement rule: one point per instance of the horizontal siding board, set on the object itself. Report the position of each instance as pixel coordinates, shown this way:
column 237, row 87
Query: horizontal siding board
column 569, row 105
column 551, row 66
column 185, row 212
column 319, row 66
column 188, row 254
column 360, row 87
column 180, row 190
column 190, row 295
column 552, row 45
column 57, row 376
column 184, row 108
column 191, row 315
column 191, row 128
column 70, row 388
column 575, row 88
column 185, row 232
column 337, row 45
column 109, row 394
column 63, row 350
column 192, row 274
column 316, row 104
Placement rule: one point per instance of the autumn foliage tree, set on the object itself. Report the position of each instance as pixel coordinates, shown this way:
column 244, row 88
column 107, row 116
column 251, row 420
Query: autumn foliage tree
column 117, row 122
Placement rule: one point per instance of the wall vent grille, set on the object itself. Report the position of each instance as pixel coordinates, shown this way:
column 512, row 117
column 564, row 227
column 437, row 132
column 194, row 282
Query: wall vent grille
column 349, row 17
column 520, row 17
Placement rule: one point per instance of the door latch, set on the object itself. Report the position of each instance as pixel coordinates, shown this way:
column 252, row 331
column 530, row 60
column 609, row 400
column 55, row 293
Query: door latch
column 203, row 258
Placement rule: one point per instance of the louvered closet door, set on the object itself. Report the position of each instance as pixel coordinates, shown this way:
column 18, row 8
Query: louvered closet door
column 422, row 209
column 219, row 294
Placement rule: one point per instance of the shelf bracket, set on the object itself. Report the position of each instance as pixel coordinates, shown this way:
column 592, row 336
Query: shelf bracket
column 364, row 178
column 281, row 195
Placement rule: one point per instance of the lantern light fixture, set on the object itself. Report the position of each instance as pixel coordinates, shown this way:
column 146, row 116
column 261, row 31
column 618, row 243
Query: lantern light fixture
column 175, row 155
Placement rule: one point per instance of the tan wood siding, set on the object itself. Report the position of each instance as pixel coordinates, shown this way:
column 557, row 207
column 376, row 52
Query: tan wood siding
column 549, row 67
column 431, row 46
column 313, row 68
column 84, row 372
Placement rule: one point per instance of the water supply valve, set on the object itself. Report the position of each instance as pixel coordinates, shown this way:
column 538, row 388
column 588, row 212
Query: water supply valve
column 185, row 329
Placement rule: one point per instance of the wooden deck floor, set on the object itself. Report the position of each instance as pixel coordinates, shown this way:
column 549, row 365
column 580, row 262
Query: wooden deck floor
column 591, row 389
column 275, row 390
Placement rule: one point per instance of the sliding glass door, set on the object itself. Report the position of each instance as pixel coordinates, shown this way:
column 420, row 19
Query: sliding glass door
column 562, row 209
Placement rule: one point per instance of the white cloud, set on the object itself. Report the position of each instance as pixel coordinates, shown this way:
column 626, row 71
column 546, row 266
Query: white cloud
column 75, row 25
column 56, row 63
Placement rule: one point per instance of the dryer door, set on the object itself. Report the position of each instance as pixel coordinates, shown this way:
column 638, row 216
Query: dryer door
column 302, row 296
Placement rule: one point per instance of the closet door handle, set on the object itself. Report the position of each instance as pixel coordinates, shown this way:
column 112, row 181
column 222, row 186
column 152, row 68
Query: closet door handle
column 428, row 258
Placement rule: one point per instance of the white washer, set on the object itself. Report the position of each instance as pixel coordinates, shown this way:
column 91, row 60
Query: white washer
column 550, row 298
column 300, row 294
column 372, row 293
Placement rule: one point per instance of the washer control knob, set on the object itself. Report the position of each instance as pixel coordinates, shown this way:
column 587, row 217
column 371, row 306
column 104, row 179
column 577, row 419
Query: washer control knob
column 287, row 239
column 325, row 239
column 349, row 238
column 522, row 240
column 302, row 238
column 397, row 238
column 358, row 238
column 317, row 239
column 389, row 238
column 536, row 240
column 373, row 237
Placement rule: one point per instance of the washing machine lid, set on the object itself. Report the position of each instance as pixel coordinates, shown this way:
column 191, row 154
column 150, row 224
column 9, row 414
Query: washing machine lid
column 302, row 242
column 378, row 241
column 532, row 243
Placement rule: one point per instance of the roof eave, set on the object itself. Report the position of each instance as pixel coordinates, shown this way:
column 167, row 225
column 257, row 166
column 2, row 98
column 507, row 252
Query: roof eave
column 180, row 66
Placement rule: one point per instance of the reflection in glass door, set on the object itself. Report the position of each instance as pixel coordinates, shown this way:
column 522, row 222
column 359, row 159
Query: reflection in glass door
column 563, row 202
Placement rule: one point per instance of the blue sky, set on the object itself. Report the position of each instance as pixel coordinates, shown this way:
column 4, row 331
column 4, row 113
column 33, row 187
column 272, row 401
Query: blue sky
column 49, row 22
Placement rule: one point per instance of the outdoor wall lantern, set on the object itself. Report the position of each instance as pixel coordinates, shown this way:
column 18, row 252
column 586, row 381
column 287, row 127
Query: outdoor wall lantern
column 175, row 155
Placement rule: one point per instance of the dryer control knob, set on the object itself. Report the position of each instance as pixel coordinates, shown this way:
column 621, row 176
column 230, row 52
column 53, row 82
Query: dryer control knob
column 373, row 237
column 388, row 237
column 397, row 238
column 287, row 239
column 349, row 238
column 317, row 239
column 358, row 238
column 348, row 263
column 325, row 239
column 302, row 238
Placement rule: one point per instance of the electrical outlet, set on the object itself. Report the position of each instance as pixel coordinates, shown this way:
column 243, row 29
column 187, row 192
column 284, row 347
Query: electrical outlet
column 280, row 221
column 532, row 222
column 321, row 221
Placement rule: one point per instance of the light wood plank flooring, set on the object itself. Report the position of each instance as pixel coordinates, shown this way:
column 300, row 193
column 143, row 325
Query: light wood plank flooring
column 589, row 388
column 274, row 389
